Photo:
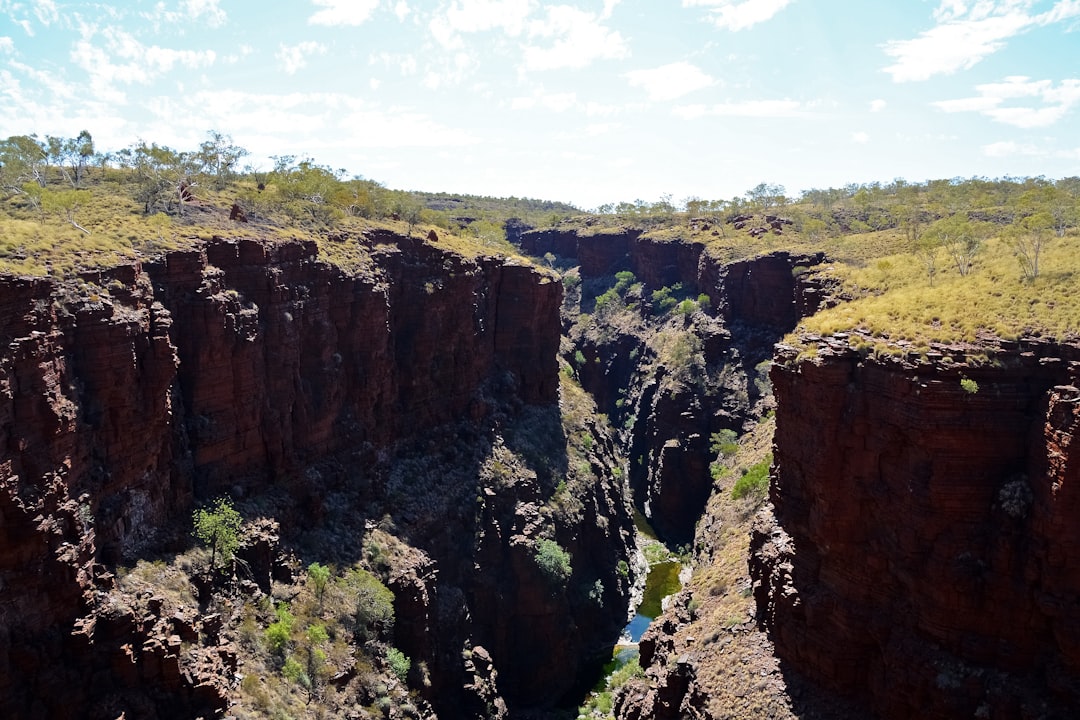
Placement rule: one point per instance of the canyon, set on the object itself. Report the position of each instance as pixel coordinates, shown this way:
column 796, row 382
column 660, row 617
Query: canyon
column 916, row 555
column 256, row 369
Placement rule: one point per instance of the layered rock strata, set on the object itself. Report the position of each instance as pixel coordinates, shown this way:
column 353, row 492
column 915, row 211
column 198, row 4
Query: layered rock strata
column 670, row 416
column 131, row 392
column 923, row 555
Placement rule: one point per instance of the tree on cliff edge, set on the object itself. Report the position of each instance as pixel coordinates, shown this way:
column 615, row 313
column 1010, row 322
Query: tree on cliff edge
column 218, row 527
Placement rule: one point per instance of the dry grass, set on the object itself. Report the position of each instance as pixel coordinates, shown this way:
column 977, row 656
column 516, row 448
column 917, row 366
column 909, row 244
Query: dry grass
column 896, row 302
column 40, row 243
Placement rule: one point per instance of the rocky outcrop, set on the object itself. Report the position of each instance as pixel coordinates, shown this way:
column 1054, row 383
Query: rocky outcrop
column 229, row 367
column 923, row 556
column 773, row 291
column 483, row 587
column 672, row 394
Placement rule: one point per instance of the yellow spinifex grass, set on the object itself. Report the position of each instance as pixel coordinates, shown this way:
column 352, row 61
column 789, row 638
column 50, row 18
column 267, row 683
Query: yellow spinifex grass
column 39, row 243
column 896, row 301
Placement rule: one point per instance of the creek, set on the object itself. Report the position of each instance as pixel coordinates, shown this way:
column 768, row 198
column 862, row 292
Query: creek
column 662, row 581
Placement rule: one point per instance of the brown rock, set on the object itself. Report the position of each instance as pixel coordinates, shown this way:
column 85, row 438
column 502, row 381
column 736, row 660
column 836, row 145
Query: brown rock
column 922, row 549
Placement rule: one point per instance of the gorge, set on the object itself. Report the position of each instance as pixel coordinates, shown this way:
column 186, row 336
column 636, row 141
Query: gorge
column 423, row 415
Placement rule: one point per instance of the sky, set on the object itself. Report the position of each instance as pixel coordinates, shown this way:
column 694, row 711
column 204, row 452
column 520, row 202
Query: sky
column 582, row 101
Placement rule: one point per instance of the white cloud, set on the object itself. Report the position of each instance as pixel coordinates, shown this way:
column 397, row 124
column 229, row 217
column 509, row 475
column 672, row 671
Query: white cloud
column 480, row 15
column 577, row 38
column 597, row 129
column 1045, row 103
column 7, row 44
column 200, row 12
column 401, row 10
column 1009, row 148
column 295, row 57
column 405, row 64
column 860, row 138
column 451, row 71
column 669, row 82
column 595, row 109
column 138, row 63
column 746, row 108
column 609, row 8
column 46, row 11
column 1063, row 10
column 472, row 16
column 242, row 51
column 342, row 12
column 877, row 105
column 205, row 11
column 556, row 102
column 311, row 123
column 739, row 15
column 965, row 34
column 951, row 47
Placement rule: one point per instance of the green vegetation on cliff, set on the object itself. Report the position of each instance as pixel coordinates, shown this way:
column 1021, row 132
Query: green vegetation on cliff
column 65, row 207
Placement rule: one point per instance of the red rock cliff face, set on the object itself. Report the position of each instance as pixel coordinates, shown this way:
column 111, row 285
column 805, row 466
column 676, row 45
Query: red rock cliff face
column 924, row 553
column 282, row 356
column 754, row 302
column 220, row 368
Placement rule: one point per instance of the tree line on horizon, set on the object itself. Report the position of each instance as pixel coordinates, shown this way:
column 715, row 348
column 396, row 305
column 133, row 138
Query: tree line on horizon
column 54, row 175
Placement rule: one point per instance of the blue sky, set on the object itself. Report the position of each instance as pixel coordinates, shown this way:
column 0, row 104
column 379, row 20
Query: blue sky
column 585, row 101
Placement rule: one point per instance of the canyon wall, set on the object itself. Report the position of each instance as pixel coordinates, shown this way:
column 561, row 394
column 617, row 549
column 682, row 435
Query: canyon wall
column 670, row 414
column 131, row 392
column 923, row 554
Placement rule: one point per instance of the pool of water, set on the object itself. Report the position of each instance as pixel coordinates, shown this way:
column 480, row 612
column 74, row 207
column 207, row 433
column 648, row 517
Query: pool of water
column 662, row 581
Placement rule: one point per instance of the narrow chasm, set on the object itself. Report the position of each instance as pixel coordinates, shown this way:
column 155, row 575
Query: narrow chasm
column 675, row 346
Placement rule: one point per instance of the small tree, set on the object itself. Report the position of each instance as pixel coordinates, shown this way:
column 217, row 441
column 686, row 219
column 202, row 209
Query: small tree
column 66, row 204
column 318, row 576
column 926, row 250
column 1027, row 238
column 374, row 609
column 315, row 657
column 279, row 634
column 553, row 561
column 960, row 237
column 218, row 527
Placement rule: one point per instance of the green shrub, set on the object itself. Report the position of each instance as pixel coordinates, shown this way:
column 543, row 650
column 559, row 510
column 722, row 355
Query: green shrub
column 622, row 568
column 725, row 442
column 374, row 609
column 754, row 482
column 294, row 671
column 620, row 677
column 662, row 299
column 553, row 561
column 399, row 663
column 969, row 386
column 278, row 634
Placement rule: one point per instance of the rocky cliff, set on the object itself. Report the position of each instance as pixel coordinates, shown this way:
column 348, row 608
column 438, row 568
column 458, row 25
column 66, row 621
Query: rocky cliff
column 233, row 368
column 923, row 554
column 672, row 382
